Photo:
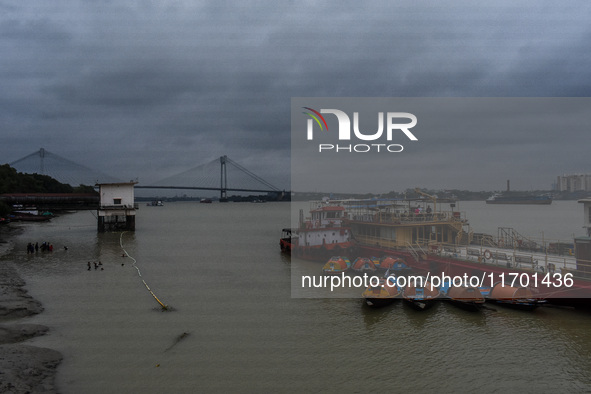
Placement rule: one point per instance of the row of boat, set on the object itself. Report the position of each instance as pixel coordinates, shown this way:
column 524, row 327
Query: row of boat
column 370, row 265
column 422, row 295
column 419, row 292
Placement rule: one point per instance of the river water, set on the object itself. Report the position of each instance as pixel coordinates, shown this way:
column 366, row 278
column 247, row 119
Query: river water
column 218, row 268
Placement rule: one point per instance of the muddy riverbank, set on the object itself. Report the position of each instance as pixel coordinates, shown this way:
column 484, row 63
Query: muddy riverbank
column 23, row 368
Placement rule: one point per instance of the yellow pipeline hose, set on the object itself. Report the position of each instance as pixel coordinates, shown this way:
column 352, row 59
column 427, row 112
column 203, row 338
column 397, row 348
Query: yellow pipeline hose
column 164, row 307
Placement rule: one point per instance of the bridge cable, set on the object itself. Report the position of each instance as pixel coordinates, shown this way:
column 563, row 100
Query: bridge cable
column 164, row 307
column 66, row 171
column 251, row 174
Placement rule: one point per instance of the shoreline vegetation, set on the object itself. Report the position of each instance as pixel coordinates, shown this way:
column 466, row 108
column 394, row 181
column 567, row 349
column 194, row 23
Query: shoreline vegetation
column 23, row 368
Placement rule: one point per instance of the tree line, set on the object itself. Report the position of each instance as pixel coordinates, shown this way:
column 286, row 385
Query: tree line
column 12, row 181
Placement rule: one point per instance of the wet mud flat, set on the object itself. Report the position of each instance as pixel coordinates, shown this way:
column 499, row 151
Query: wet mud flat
column 23, row 368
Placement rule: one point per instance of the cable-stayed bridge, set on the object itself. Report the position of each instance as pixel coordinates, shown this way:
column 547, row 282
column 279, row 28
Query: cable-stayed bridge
column 221, row 174
column 44, row 162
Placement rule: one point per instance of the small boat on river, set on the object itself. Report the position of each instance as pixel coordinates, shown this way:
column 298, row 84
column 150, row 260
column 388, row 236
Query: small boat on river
column 385, row 293
column 466, row 297
column 514, row 297
column 420, row 293
column 336, row 265
column 285, row 241
column 364, row 265
column 28, row 218
column 394, row 265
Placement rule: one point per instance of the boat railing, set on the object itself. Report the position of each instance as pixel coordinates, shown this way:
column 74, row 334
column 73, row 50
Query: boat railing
column 407, row 217
column 512, row 258
column 583, row 269
column 511, row 240
column 487, row 255
column 322, row 223
column 420, row 244
column 379, row 242
column 415, row 250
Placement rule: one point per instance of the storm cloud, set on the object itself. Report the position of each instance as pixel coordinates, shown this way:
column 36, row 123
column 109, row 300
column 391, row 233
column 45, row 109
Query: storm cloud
column 148, row 89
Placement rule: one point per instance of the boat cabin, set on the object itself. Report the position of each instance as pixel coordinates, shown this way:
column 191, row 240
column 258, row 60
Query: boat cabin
column 327, row 216
column 400, row 223
column 324, row 228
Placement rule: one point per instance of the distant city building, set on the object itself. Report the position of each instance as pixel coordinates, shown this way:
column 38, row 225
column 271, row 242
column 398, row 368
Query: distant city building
column 574, row 183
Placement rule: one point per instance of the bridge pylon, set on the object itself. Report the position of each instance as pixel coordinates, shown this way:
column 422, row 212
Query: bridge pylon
column 223, row 179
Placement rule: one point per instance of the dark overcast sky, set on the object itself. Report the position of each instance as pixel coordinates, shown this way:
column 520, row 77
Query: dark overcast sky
column 151, row 88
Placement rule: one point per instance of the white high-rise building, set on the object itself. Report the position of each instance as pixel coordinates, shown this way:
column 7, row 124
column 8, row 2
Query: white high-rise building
column 573, row 183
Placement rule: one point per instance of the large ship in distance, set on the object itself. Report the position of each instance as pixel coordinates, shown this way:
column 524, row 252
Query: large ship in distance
column 510, row 197
column 498, row 198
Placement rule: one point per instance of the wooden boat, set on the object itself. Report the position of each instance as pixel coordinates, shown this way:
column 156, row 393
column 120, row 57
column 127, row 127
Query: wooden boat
column 420, row 293
column 336, row 265
column 364, row 265
column 383, row 294
column 466, row 297
column 514, row 297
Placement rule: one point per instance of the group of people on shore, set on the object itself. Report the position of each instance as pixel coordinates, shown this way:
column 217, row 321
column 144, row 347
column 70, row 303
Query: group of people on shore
column 45, row 247
column 96, row 265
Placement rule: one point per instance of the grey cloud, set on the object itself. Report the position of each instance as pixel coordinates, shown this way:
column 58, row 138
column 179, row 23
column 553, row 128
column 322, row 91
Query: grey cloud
column 163, row 86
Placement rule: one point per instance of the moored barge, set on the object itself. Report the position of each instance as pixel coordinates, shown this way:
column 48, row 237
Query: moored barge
column 434, row 240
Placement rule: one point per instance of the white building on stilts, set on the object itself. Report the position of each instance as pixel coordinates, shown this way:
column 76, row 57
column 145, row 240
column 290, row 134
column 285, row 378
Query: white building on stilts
column 117, row 206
